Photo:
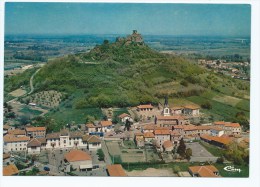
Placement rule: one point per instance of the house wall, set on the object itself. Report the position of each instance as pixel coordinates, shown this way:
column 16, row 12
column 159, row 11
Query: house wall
column 162, row 138
column 34, row 150
column 94, row 146
column 76, row 165
column 15, row 146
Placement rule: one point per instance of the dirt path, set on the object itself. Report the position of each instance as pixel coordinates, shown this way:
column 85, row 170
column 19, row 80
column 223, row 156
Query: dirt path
column 31, row 81
column 152, row 172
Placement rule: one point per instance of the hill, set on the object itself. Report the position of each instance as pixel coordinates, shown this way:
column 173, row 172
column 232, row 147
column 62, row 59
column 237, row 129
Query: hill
column 127, row 72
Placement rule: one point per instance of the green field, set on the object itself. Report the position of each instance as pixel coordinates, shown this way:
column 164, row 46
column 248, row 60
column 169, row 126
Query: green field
column 75, row 115
column 213, row 149
column 28, row 111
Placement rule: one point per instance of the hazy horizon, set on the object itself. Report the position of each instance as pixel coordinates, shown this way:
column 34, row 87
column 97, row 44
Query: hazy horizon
column 223, row 20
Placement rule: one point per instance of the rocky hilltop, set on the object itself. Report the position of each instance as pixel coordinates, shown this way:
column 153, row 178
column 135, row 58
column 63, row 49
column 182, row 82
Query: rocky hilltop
column 135, row 38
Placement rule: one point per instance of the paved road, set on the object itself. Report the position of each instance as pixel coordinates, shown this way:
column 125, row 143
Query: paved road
column 105, row 150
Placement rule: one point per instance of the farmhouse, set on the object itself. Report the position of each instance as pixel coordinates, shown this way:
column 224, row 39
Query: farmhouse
column 79, row 160
column 106, row 126
column 13, row 143
column 148, row 107
column 139, row 139
column 204, row 171
column 35, row 145
column 93, row 142
column 149, row 136
column 91, row 128
column 193, row 110
column 35, row 132
column 123, row 117
column 229, row 128
column 161, row 136
column 17, row 132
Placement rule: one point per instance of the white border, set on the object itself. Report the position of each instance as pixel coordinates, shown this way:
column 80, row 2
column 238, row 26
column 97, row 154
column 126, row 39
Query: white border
column 252, row 181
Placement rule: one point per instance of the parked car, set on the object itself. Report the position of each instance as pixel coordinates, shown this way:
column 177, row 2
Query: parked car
column 46, row 168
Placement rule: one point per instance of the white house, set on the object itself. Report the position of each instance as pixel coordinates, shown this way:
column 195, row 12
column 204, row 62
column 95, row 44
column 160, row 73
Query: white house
column 13, row 143
column 123, row 117
column 35, row 145
column 216, row 131
column 64, row 140
column 106, row 126
column 93, row 142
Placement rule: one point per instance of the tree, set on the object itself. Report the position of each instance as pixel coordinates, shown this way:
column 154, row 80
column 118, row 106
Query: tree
column 176, row 169
column 206, row 105
column 188, row 153
column 220, row 160
column 127, row 125
column 101, row 155
column 182, row 148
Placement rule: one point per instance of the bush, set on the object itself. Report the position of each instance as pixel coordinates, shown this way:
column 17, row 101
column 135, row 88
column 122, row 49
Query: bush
column 100, row 154
column 220, row 160
column 206, row 105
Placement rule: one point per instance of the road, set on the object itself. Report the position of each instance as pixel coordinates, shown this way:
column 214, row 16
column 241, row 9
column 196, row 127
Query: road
column 31, row 81
column 31, row 87
column 105, row 150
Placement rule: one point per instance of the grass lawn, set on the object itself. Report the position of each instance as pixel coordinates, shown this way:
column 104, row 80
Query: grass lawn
column 118, row 111
column 212, row 149
column 218, row 109
column 76, row 115
column 29, row 111
column 129, row 144
column 224, row 173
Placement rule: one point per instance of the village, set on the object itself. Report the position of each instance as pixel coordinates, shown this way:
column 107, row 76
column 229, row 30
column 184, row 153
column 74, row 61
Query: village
column 162, row 135
column 235, row 70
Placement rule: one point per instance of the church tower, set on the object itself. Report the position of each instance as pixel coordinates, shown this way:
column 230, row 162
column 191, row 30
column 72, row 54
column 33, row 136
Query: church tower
column 166, row 110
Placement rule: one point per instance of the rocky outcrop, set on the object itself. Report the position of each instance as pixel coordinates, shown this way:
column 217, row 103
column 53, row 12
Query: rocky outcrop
column 135, row 39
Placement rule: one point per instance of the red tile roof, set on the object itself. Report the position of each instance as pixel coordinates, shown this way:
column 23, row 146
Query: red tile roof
column 10, row 170
column 167, row 144
column 90, row 125
column 33, row 129
column 144, row 106
column 192, row 107
column 176, row 117
column 162, row 132
column 123, row 115
column 149, row 135
column 105, row 123
column 12, row 138
column 17, row 132
column 77, row 155
column 204, row 171
column 116, row 170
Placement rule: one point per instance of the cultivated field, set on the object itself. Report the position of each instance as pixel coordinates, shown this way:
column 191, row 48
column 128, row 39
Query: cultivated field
column 48, row 99
column 18, row 92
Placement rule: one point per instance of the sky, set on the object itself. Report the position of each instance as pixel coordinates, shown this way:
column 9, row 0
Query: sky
column 122, row 18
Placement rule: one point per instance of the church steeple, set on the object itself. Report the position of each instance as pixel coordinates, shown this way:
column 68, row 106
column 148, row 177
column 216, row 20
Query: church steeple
column 166, row 110
column 166, row 102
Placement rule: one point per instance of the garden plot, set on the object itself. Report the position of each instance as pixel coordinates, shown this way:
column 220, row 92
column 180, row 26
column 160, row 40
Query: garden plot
column 227, row 100
column 133, row 155
column 18, row 92
column 113, row 148
column 48, row 99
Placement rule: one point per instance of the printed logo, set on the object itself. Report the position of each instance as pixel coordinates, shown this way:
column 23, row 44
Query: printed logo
column 232, row 169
